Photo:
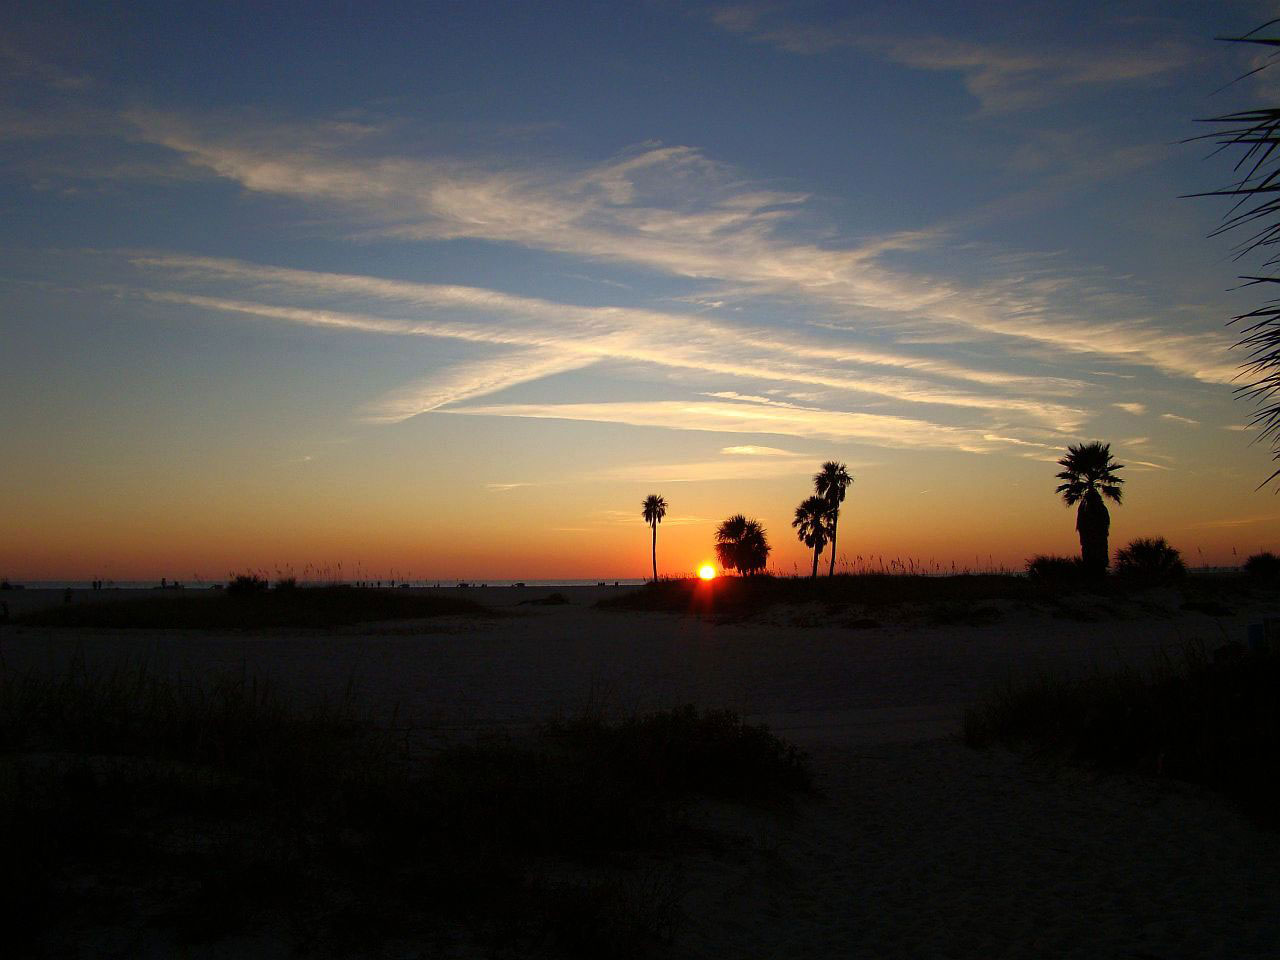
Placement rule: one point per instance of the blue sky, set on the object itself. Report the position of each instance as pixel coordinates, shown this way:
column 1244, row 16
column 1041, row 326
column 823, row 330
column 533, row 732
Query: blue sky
column 271, row 277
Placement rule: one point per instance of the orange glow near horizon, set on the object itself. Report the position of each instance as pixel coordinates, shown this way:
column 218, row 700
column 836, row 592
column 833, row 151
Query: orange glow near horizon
column 707, row 572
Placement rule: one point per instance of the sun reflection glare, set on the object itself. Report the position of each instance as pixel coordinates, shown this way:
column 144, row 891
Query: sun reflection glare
column 707, row 572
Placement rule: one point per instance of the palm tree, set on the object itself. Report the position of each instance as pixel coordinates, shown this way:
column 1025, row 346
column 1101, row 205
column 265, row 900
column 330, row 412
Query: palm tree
column 830, row 483
column 655, row 508
column 812, row 526
column 741, row 545
column 1254, row 136
column 1088, row 475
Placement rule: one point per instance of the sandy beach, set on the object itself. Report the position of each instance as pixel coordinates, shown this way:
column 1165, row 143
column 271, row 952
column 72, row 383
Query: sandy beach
column 916, row 846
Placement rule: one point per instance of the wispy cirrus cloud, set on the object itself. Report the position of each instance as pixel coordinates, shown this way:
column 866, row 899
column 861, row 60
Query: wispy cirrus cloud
column 1176, row 418
column 755, row 450
column 466, row 381
column 1002, row 78
column 675, row 211
column 569, row 337
column 1131, row 407
column 726, row 417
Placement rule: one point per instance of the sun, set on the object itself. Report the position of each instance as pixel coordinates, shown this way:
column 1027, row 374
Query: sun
column 707, row 572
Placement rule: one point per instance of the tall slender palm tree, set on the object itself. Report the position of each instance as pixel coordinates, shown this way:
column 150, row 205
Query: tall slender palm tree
column 741, row 545
column 655, row 508
column 830, row 483
column 812, row 526
column 1088, row 475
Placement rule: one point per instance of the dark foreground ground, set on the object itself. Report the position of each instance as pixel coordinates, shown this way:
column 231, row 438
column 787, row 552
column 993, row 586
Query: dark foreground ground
column 912, row 845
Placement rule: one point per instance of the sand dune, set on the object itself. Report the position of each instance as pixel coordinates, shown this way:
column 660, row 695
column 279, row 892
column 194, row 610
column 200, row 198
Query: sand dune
column 917, row 847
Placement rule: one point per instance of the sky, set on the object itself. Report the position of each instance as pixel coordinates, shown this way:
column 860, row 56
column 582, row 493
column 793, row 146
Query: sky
column 438, row 290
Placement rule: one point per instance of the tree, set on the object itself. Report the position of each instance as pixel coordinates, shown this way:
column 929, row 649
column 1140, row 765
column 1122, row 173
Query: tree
column 830, row 483
column 1256, row 192
column 1088, row 475
column 812, row 525
column 655, row 508
column 741, row 545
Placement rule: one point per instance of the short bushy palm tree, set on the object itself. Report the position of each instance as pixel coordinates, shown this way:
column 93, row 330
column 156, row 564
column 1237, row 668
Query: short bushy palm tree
column 741, row 545
column 1089, row 475
column 655, row 508
column 812, row 523
column 830, row 483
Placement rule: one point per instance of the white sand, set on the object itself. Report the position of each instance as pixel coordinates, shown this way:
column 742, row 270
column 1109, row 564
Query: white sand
column 919, row 846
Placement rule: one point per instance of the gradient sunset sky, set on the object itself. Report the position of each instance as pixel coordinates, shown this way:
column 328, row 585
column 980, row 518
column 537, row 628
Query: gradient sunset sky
column 448, row 288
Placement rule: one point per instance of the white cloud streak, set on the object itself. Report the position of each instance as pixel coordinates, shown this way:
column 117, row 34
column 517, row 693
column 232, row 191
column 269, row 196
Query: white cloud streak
column 582, row 335
column 1002, row 79
column 673, row 210
column 752, row 418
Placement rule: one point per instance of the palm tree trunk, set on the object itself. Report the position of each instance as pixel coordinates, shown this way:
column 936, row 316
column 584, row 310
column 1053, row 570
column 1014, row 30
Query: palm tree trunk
column 1093, row 523
column 816, row 550
column 835, row 520
column 655, row 553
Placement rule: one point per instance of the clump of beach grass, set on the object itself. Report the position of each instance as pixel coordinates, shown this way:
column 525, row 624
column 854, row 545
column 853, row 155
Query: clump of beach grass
column 1212, row 719
column 253, row 606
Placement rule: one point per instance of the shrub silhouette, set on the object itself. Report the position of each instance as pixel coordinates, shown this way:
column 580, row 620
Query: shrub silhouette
column 246, row 585
column 1051, row 568
column 1263, row 566
column 1150, row 560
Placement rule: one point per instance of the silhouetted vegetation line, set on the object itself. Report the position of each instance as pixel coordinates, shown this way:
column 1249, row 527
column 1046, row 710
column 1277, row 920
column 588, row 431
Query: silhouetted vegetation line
column 1054, row 586
column 227, row 807
column 1210, row 719
column 744, row 595
column 247, row 609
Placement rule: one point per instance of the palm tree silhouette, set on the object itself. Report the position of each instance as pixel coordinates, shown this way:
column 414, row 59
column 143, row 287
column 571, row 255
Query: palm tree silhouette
column 830, row 484
column 741, row 545
column 1088, row 475
column 655, row 508
column 812, row 526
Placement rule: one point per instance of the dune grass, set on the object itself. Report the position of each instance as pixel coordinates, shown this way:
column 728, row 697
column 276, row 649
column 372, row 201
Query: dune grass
column 173, row 812
column 747, row 594
column 311, row 607
column 1208, row 719
column 960, row 599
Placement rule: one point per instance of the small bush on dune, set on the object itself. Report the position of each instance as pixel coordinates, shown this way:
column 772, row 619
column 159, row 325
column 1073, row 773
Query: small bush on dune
column 1050, row 568
column 1263, row 566
column 1150, row 560
column 246, row 585
column 1206, row 719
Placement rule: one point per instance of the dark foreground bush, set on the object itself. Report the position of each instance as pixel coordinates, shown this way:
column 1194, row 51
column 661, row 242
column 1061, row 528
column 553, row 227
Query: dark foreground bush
column 1053, row 569
column 1149, row 561
column 1264, row 567
column 254, row 609
column 177, row 813
column 1207, row 719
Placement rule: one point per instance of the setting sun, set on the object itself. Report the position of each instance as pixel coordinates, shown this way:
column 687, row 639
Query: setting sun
column 707, row 572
